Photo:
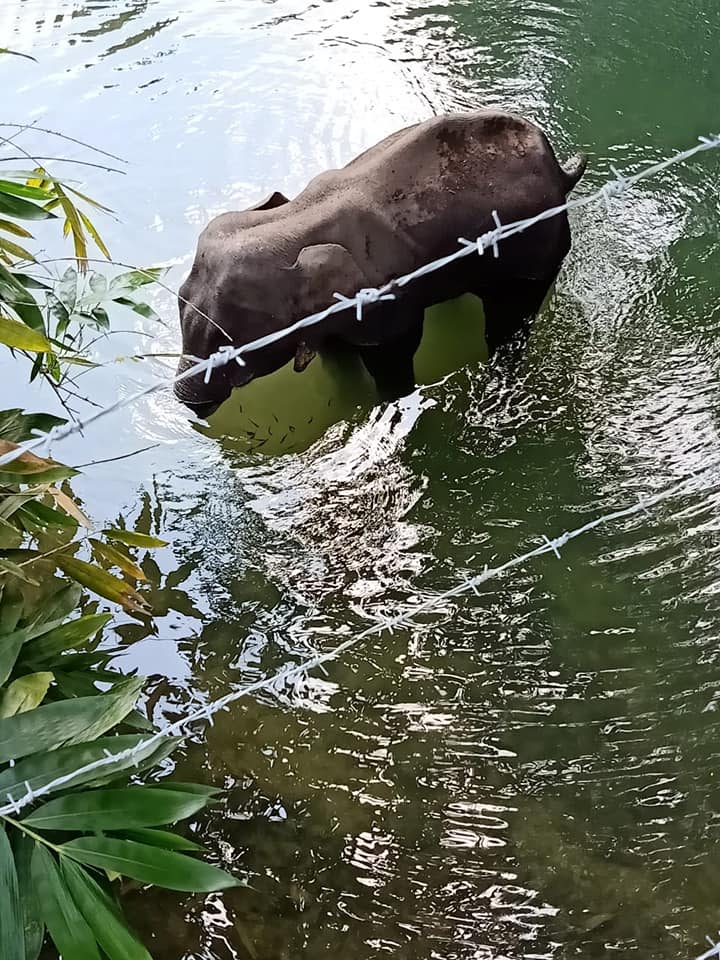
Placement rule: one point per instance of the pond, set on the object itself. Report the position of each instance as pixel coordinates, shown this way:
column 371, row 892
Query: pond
column 530, row 772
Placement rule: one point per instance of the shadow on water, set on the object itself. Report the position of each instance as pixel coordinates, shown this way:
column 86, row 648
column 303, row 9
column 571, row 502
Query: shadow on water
column 529, row 773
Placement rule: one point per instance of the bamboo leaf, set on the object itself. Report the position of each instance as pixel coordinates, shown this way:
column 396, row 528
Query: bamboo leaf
column 15, row 250
column 46, row 516
column 165, row 868
column 87, row 199
column 163, row 838
column 70, row 933
column 135, row 278
column 102, row 915
column 99, row 810
column 18, row 231
column 25, row 694
column 15, row 292
column 12, row 937
column 69, row 721
column 17, row 426
column 92, row 230
column 11, row 206
column 29, row 468
column 69, row 635
column 40, row 770
column 8, row 568
column 23, row 190
column 33, row 926
column 19, row 335
column 16, row 53
column 142, row 309
column 70, row 507
column 117, row 558
column 104, row 584
column 134, row 539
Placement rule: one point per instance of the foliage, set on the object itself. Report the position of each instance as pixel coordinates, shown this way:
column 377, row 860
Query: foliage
column 60, row 856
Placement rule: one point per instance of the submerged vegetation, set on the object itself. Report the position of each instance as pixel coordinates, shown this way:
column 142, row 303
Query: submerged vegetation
column 61, row 706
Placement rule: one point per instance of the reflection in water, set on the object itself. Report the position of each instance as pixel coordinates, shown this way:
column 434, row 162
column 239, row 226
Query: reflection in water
column 529, row 773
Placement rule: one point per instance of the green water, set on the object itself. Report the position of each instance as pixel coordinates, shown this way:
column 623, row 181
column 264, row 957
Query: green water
column 531, row 772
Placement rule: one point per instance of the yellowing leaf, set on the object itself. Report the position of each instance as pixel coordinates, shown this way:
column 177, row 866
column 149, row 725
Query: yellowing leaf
column 9, row 227
column 104, row 584
column 118, row 558
column 16, row 334
column 25, row 694
column 92, row 230
column 71, row 508
column 32, row 466
column 15, row 250
column 134, row 539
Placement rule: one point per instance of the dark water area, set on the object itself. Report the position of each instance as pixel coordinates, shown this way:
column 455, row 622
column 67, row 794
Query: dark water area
column 527, row 773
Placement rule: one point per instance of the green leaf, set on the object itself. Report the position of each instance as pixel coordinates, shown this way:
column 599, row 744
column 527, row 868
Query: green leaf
column 104, row 584
column 70, row 933
column 17, row 426
column 142, row 309
column 73, row 634
column 200, row 789
column 12, row 937
column 33, row 926
column 102, row 915
column 24, row 190
column 19, row 335
column 147, row 864
column 11, row 206
column 25, row 694
column 49, row 517
column 67, row 289
column 99, row 315
column 11, row 610
column 15, row 292
column 69, row 721
column 8, row 568
column 59, row 311
column 60, row 605
column 98, row 810
column 163, row 838
column 10, row 644
column 134, row 539
column 40, row 770
column 117, row 558
column 135, row 279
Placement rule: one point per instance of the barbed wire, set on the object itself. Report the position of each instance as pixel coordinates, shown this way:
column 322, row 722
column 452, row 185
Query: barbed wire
column 714, row 950
column 365, row 297
column 143, row 749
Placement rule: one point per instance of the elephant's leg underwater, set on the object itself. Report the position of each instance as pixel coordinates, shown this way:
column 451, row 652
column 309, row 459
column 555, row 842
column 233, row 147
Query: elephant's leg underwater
column 391, row 363
column 509, row 311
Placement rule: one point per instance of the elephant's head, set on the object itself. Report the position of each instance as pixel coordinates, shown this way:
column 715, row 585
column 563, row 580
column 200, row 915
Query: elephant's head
column 245, row 286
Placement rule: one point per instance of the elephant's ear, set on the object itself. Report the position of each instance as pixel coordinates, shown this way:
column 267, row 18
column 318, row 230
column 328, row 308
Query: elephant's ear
column 323, row 270
column 276, row 199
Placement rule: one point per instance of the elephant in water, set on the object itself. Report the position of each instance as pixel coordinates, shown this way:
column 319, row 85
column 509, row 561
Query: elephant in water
column 399, row 205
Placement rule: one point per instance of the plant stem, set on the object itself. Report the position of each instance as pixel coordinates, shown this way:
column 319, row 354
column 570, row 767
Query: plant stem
column 32, row 834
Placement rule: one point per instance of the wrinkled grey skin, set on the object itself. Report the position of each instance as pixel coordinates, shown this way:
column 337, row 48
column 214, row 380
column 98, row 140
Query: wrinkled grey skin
column 397, row 206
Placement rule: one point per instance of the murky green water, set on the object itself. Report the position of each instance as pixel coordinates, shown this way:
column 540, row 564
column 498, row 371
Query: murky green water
column 531, row 772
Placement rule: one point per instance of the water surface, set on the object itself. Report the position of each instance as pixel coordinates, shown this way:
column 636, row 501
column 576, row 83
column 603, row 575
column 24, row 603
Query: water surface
column 530, row 772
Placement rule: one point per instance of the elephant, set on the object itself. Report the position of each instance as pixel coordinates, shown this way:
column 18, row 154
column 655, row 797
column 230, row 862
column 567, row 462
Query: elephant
column 400, row 204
